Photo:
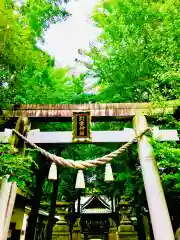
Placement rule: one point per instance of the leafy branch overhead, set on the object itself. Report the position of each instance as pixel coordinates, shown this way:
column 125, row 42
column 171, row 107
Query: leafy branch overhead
column 19, row 167
column 137, row 55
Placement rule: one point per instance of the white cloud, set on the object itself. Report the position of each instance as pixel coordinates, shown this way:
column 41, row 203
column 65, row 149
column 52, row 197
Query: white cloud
column 62, row 40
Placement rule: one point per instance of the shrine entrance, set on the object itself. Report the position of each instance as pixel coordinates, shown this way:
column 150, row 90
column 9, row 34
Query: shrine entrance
column 97, row 226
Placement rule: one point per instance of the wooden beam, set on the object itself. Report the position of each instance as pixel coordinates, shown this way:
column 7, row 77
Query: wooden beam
column 97, row 136
column 119, row 110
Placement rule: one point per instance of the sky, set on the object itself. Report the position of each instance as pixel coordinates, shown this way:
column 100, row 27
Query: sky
column 62, row 40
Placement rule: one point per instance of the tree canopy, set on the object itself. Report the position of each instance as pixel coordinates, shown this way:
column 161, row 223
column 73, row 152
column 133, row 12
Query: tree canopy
column 27, row 71
column 137, row 55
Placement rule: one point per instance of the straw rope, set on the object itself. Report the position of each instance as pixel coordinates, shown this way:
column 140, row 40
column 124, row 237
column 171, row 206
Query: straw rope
column 79, row 163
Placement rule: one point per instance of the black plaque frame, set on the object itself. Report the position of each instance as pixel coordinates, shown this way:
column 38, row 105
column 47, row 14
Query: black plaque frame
column 81, row 127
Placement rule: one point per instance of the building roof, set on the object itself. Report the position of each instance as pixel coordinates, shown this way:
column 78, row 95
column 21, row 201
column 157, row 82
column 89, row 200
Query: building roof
column 41, row 212
column 96, row 211
column 94, row 205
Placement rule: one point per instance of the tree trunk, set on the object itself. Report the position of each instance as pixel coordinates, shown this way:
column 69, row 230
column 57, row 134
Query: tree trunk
column 150, row 228
column 49, row 228
column 140, row 224
column 40, row 176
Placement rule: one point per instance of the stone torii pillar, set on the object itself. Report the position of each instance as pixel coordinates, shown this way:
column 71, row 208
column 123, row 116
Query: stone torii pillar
column 159, row 214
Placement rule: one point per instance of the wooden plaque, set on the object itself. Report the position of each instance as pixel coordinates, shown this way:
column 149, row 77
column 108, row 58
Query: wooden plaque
column 81, row 124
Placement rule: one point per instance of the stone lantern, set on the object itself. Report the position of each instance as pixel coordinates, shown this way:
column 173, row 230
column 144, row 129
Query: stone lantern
column 126, row 230
column 61, row 228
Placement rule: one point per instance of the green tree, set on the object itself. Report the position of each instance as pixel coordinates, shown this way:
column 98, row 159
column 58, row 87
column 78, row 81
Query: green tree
column 41, row 14
column 26, row 71
column 18, row 167
column 138, row 57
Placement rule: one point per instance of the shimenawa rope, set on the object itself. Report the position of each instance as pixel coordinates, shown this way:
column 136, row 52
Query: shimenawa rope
column 79, row 163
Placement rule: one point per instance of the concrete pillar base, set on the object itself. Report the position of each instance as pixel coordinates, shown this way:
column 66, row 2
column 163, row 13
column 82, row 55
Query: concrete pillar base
column 113, row 235
column 60, row 232
column 128, row 236
column 127, row 232
column 76, row 235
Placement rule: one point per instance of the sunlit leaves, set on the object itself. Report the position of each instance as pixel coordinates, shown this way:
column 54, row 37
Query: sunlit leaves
column 141, row 45
column 17, row 166
column 40, row 14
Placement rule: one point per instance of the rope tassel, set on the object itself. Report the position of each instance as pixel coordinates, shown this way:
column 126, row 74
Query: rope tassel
column 53, row 172
column 80, row 182
column 108, row 177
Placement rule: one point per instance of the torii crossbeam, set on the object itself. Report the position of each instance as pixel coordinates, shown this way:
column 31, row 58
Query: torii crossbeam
column 109, row 110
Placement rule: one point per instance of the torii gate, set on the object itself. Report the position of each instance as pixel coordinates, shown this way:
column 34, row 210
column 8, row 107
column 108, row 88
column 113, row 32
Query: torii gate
column 161, row 224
